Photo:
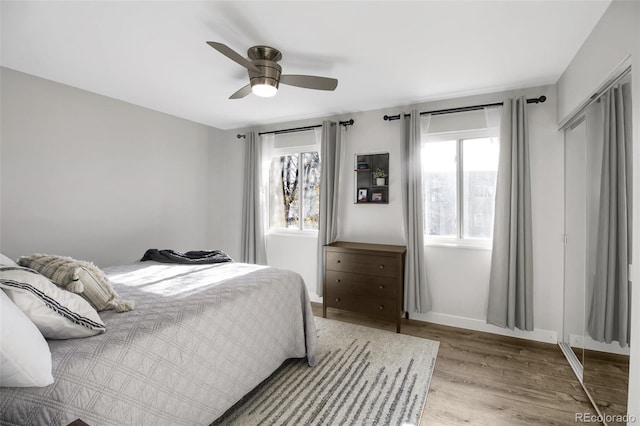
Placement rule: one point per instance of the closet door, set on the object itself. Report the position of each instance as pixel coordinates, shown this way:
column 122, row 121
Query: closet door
column 601, row 367
column 606, row 365
column 575, row 238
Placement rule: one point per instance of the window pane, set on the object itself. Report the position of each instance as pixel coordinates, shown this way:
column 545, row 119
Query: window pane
column 284, row 205
column 480, row 169
column 439, row 186
column 311, row 193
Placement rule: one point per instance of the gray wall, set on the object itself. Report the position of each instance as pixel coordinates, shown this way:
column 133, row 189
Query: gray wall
column 226, row 163
column 99, row 179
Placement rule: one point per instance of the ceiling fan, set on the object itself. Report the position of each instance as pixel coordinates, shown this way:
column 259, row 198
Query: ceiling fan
column 264, row 72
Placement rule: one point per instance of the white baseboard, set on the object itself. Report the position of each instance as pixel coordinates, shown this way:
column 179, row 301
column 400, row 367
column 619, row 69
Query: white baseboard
column 314, row 297
column 545, row 336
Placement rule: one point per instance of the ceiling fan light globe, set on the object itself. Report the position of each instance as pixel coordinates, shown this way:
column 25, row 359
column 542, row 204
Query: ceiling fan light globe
column 264, row 90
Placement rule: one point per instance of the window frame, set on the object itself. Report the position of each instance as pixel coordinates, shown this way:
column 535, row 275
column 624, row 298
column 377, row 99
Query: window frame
column 290, row 150
column 459, row 241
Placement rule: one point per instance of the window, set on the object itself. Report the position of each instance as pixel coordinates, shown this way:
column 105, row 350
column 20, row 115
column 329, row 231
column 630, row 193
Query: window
column 294, row 188
column 459, row 185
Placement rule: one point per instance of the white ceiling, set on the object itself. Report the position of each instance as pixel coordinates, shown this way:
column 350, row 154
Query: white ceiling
column 384, row 53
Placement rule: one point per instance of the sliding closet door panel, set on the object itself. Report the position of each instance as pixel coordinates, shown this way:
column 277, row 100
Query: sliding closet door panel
column 594, row 145
column 606, row 364
column 576, row 238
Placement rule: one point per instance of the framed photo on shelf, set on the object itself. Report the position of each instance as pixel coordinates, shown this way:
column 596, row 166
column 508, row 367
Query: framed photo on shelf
column 363, row 166
column 376, row 196
column 363, row 195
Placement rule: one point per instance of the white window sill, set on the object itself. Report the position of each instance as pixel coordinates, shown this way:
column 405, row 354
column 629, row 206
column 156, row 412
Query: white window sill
column 459, row 244
column 292, row 233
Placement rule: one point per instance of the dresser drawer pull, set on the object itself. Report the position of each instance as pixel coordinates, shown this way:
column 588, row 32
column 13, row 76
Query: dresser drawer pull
column 381, row 266
column 337, row 299
column 380, row 286
column 338, row 261
column 381, row 307
column 338, row 280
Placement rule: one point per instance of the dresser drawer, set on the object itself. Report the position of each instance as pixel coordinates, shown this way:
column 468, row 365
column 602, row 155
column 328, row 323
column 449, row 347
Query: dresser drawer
column 387, row 266
column 377, row 307
column 366, row 285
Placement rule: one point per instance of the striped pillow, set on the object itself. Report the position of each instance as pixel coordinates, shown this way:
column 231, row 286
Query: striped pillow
column 80, row 277
column 57, row 313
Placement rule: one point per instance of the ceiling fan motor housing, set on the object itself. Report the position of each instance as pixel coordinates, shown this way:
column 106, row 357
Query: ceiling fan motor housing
column 265, row 58
column 267, row 53
column 269, row 75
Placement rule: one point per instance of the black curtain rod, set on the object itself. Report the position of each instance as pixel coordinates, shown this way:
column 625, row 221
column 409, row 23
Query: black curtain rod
column 463, row 109
column 299, row 129
column 296, row 129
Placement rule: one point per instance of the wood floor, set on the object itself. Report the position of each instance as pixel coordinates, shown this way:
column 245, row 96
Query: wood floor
column 487, row 379
column 606, row 376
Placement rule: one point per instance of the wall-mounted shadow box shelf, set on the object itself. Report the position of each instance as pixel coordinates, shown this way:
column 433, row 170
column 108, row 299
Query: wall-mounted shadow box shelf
column 369, row 188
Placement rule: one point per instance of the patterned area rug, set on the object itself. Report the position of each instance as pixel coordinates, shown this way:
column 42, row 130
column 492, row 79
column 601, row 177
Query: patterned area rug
column 364, row 376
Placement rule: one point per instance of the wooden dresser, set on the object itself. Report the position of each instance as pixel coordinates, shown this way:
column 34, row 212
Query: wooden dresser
column 365, row 278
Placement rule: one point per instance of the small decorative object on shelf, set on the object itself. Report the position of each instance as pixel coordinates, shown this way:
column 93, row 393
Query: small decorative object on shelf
column 379, row 176
column 372, row 178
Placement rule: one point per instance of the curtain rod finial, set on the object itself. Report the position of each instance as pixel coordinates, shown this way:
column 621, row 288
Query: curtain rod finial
column 538, row 100
column 239, row 136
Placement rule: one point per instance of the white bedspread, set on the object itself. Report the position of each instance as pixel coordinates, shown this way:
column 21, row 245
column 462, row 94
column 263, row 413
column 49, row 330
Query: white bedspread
column 200, row 337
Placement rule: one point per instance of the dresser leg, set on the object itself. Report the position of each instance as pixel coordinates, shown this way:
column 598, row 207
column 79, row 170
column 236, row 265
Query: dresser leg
column 324, row 310
column 398, row 325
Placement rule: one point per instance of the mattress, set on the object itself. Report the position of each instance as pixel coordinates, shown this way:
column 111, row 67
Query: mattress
column 200, row 337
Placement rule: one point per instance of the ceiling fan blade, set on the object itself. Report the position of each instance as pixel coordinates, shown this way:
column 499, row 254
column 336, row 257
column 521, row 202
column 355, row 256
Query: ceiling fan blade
column 242, row 92
column 309, row 81
column 233, row 55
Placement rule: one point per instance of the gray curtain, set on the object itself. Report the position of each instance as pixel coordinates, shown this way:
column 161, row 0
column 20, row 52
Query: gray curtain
column 511, row 281
column 331, row 147
column 253, row 241
column 609, row 316
column 416, row 291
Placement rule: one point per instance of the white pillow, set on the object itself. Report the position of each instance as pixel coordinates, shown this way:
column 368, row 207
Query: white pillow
column 4, row 260
column 58, row 314
column 25, row 358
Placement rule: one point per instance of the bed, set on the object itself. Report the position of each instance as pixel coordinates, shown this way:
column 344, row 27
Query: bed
column 200, row 338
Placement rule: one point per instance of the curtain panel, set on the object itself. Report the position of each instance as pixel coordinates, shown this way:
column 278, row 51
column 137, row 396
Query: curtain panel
column 511, row 280
column 330, row 157
column 416, row 290
column 609, row 313
column 253, row 245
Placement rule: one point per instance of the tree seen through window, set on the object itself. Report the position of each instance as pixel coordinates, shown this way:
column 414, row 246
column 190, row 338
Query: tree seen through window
column 295, row 179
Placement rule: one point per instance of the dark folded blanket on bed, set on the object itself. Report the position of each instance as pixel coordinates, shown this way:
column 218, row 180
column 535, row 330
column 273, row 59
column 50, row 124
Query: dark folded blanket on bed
column 199, row 257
